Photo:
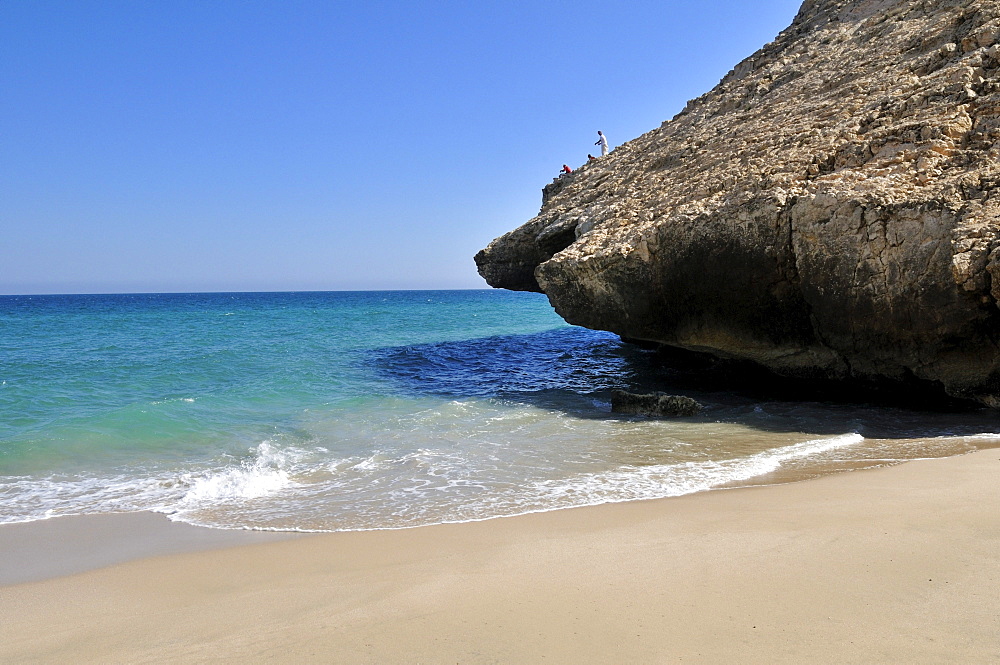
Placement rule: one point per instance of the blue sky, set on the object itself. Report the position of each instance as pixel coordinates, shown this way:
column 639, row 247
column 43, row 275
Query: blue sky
column 217, row 145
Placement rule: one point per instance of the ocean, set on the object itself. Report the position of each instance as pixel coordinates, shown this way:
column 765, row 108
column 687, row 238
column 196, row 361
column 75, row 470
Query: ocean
column 369, row 410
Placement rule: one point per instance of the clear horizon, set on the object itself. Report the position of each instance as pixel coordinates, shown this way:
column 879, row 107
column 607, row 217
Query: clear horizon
column 192, row 293
column 189, row 147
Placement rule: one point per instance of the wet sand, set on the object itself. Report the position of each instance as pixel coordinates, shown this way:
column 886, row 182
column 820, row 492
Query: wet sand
column 66, row 545
column 890, row 565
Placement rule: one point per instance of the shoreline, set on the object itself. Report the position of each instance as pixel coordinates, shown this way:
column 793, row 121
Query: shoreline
column 893, row 564
column 32, row 551
column 35, row 551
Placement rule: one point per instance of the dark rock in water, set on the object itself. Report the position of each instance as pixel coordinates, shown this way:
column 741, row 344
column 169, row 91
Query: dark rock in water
column 654, row 404
column 831, row 210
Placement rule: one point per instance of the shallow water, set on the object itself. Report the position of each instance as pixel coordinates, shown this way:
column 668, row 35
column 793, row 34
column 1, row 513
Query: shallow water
column 332, row 411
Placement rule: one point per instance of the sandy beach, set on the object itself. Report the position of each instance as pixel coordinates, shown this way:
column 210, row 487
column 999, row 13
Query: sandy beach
column 892, row 565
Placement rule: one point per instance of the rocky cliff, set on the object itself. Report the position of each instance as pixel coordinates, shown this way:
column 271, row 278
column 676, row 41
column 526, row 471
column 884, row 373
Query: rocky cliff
column 830, row 209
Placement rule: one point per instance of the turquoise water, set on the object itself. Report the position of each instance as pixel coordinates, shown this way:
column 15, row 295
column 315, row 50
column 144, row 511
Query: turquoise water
column 360, row 410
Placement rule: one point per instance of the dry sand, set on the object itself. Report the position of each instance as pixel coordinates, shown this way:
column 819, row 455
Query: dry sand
column 896, row 565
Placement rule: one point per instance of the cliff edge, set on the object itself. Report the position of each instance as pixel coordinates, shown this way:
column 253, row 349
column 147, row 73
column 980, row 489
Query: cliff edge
column 829, row 209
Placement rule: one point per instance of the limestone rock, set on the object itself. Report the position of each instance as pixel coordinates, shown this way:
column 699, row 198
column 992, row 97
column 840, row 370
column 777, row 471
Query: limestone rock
column 831, row 208
column 654, row 404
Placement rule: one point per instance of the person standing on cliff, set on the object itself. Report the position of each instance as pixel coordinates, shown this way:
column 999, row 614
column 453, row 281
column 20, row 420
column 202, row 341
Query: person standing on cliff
column 603, row 142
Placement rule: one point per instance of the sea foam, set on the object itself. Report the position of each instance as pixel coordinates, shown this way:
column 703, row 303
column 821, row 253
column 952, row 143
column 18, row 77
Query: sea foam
column 265, row 472
column 631, row 483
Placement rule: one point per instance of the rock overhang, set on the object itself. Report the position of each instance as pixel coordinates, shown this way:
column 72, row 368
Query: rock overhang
column 829, row 207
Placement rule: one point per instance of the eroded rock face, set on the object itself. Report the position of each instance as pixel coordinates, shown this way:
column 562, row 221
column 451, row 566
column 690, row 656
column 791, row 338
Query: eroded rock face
column 830, row 209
